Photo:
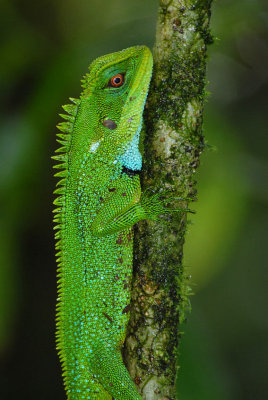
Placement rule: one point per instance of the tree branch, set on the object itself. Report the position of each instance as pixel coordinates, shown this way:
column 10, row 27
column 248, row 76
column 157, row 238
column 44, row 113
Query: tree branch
column 174, row 141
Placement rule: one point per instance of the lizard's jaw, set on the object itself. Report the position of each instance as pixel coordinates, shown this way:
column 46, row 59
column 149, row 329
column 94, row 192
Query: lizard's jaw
column 131, row 158
column 122, row 143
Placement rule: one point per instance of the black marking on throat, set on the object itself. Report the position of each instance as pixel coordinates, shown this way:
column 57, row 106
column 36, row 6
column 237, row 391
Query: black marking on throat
column 130, row 172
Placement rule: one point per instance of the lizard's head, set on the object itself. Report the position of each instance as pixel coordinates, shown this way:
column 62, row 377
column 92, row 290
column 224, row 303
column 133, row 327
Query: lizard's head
column 116, row 89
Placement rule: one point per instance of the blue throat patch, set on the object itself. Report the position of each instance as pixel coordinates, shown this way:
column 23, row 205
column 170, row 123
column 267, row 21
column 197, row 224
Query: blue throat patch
column 132, row 158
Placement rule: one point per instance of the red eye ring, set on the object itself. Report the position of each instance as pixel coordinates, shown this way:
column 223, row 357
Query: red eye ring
column 116, row 81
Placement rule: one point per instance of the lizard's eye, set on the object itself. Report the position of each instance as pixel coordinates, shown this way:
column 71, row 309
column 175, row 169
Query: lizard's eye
column 116, row 81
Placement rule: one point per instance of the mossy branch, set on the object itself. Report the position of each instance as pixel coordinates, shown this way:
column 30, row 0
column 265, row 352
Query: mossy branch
column 173, row 145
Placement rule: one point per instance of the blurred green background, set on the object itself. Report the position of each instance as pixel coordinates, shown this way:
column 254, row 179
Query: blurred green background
column 46, row 47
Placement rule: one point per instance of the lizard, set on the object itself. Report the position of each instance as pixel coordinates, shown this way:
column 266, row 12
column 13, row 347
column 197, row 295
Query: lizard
column 99, row 199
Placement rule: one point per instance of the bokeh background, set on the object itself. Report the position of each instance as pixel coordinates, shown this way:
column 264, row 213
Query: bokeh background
column 45, row 48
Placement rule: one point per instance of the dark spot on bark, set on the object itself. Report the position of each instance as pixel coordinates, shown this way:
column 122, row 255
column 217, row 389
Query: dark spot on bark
column 109, row 123
column 126, row 309
column 177, row 21
column 137, row 380
column 108, row 317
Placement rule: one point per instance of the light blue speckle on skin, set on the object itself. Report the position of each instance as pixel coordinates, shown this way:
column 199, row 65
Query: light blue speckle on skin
column 132, row 158
column 94, row 147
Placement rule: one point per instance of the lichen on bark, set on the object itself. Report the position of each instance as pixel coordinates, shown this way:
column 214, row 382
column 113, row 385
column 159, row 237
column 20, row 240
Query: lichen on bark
column 173, row 144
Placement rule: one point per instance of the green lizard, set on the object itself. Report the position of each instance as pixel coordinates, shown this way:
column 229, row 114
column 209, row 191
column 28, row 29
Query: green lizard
column 99, row 200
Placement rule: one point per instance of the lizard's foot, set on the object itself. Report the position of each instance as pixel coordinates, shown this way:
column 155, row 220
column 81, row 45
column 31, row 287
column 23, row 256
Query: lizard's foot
column 154, row 204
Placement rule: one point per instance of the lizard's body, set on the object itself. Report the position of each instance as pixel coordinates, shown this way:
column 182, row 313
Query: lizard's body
column 99, row 201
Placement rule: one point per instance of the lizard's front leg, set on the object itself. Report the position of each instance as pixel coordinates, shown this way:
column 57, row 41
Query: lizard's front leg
column 126, row 207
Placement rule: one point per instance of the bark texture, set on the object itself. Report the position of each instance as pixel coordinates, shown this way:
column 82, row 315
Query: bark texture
column 173, row 144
